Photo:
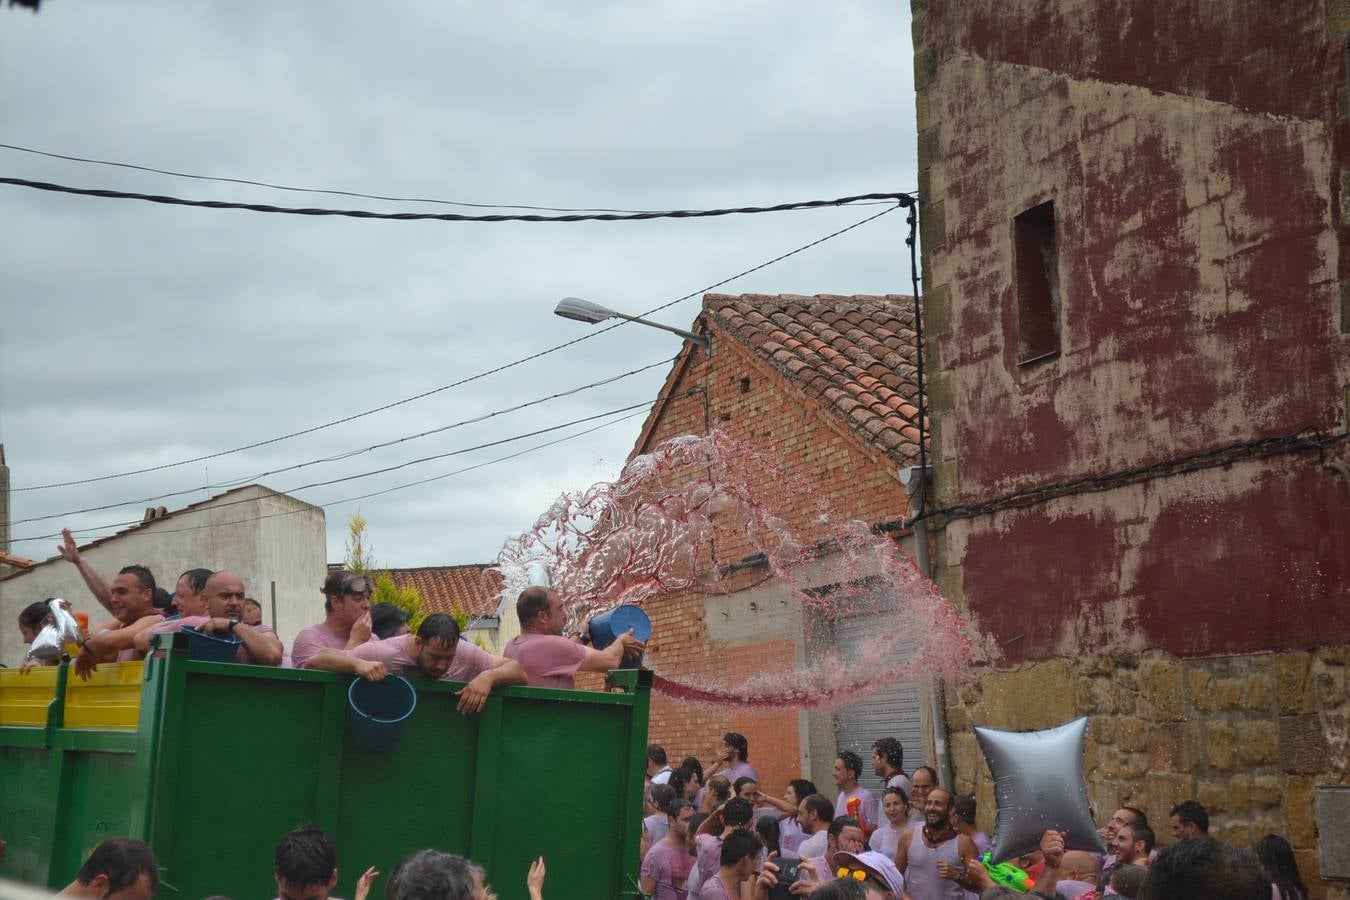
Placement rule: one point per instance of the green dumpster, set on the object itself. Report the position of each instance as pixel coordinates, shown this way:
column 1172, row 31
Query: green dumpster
column 211, row 763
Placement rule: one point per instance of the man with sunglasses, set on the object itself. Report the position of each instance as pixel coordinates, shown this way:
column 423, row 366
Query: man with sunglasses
column 346, row 624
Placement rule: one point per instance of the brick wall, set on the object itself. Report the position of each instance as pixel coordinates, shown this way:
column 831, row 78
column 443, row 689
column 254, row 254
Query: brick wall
column 753, row 403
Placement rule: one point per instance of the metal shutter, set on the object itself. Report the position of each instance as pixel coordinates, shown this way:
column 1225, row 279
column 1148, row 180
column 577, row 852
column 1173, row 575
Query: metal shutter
column 893, row 711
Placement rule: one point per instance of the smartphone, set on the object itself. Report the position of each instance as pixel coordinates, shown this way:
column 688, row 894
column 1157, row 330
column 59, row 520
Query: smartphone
column 787, row 873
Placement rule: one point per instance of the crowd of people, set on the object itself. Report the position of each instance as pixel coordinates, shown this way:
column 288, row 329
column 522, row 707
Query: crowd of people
column 305, row 868
column 724, row 839
column 352, row 638
column 714, row 838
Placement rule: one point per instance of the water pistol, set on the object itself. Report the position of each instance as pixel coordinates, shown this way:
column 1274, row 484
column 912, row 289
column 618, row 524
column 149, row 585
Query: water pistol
column 1006, row 875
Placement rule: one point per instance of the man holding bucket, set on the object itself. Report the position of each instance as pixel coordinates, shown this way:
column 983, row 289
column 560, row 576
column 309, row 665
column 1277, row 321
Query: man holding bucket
column 259, row 644
column 436, row 651
column 551, row 660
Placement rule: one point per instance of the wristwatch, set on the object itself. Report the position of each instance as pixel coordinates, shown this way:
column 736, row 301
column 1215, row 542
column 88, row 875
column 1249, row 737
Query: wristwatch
column 234, row 623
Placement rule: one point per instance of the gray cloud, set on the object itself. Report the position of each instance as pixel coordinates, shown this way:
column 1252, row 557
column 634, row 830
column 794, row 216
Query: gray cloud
column 137, row 335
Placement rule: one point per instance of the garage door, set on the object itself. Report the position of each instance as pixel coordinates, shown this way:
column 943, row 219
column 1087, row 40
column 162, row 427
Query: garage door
column 893, row 711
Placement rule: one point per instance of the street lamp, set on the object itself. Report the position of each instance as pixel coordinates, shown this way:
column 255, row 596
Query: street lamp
column 591, row 313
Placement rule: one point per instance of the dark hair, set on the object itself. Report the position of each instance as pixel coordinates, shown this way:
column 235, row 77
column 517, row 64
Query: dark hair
column 1204, row 869
column 162, row 600
column 738, row 741
column 932, row 773
column 31, row 616
column 891, row 750
column 196, row 579
column 531, row 602
column 386, row 619
column 440, row 627
column 306, row 856
column 122, row 861
column 1275, row 854
column 144, row 576
column 965, row 807
column 742, row 782
column 339, row 582
column 662, row 796
column 852, row 762
column 1127, row 879
column 802, row 788
column 431, row 875
column 679, row 780
column 691, row 764
column 697, row 819
column 1139, row 815
column 769, row 834
column 1140, row 831
column 1189, row 812
column 897, row 791
column 737, row 812
column 738, row 845
column 820, row 805
column 677, row 806
column 720, row 787
column 249, row 601
column 657, row 754
column 839, row 823
column 843, row 889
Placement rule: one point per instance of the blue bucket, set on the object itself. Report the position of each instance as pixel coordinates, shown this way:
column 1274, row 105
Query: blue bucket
column 606, row 628
column 211, row 647
column 379, row 710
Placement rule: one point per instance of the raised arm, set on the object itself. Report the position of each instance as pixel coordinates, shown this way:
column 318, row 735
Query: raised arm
column 609, row 658
column 92, row 580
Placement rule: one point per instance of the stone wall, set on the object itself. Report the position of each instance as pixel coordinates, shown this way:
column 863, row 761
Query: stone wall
column 1249, row 736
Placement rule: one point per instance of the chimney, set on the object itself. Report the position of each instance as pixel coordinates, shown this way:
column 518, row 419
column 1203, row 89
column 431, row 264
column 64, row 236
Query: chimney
column 4, row 502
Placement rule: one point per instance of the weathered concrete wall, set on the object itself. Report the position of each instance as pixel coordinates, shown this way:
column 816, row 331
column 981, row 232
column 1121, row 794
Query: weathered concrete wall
column 1246, row 735
column 230, row 533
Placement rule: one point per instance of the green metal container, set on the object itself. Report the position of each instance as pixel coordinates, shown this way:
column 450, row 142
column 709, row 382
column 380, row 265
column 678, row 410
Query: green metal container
column 229, row 757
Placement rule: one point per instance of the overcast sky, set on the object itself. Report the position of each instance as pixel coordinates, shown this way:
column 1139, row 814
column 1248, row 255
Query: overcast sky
column 136, row 335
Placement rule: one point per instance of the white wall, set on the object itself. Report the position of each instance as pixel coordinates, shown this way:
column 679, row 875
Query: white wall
column 239, row 531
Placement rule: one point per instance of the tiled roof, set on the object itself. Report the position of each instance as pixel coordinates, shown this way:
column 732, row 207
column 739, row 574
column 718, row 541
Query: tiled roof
column 18, row 562
column 475, row 588
column 855, row 355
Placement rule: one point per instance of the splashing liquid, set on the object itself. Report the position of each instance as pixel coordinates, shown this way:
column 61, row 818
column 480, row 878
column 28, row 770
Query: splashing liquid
column 673, row 519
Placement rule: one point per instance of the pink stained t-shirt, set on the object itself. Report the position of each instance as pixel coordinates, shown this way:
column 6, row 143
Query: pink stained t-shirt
column 470, row 660
column 864, row 810
column 549, row 660
column 670, row 865
column 713, row 889
column 311, row 640
column 241, row 655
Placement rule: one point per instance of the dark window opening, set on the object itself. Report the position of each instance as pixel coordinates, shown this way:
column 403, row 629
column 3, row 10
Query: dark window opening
column 1037, row 264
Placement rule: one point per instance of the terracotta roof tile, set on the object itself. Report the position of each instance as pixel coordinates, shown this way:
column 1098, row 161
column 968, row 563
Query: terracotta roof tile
column 855, row 355
column 475, row 587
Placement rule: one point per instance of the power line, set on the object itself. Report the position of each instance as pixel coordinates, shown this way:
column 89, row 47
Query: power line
column 390, row 490
column 463, row 381
column 349, row 453
column 302, row 190
column 646, row 404
column 338, row 193
column 901, row 199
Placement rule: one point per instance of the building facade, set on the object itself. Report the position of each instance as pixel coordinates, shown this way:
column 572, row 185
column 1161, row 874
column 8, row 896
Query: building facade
column 1133, row 227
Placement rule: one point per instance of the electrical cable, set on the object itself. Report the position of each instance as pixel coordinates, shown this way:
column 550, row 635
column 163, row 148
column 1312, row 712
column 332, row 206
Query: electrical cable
column 646, row 404
column 899, row 198
column 338, row 193
column 463, row 381
column 390, row 490
column 249, row 479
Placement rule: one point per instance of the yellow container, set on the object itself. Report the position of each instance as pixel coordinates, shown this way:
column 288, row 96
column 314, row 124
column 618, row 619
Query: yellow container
column 24, row 699
column 109, row 700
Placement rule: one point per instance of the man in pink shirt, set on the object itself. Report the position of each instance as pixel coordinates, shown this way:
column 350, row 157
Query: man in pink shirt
column 224, row 613
column 665, row 870
column 436, row 651
column 551, row 660
column 346, row 602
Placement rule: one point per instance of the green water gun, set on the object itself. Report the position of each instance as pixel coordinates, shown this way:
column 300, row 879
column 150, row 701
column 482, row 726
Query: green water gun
column 1006, row 875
